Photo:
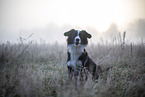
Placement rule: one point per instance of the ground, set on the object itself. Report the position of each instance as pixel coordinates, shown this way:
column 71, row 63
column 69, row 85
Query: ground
column 40, row 70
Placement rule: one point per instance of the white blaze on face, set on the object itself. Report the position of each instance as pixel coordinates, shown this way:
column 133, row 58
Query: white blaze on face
column 77, row 38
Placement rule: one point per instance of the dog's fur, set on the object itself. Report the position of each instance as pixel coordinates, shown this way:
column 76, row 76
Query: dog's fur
column 88, row 64
column 78, row 58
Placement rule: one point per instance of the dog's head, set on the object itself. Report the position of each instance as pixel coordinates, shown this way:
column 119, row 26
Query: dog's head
column 77, row 37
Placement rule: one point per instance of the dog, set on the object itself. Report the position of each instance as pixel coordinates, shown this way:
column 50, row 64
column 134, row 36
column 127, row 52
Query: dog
column 78, row 59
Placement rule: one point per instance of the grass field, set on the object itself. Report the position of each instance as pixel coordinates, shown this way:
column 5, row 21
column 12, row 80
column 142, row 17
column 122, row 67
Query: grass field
column 39, row 70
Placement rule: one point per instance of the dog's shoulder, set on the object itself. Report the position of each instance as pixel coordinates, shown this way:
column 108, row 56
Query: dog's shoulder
column 85, row 59
column 83, row 56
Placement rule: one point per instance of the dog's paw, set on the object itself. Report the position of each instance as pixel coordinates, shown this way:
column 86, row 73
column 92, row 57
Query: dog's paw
column 79, row 63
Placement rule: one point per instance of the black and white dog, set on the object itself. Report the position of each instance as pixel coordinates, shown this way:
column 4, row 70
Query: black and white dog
column 78, row 58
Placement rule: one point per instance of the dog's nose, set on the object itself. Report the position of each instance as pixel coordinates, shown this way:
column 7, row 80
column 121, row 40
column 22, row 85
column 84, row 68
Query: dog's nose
column 77, row 39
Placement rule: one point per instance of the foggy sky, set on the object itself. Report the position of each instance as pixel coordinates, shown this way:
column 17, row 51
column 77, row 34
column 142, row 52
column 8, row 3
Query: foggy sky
column 48, row 20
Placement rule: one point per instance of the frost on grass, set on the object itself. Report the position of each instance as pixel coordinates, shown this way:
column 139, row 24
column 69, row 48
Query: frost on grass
column 40, row 70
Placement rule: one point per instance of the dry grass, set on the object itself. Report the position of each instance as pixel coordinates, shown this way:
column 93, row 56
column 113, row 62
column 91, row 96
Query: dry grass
column 39, row 70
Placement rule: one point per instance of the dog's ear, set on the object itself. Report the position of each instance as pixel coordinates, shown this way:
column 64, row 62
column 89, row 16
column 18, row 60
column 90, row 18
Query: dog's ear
column 87, row 34
column 68, row 33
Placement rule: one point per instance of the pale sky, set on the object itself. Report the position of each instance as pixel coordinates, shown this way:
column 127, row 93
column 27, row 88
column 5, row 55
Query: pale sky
column 44, row 18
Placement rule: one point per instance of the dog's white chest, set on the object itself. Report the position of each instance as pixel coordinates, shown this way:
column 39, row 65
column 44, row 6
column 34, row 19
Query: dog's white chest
column 75, row 53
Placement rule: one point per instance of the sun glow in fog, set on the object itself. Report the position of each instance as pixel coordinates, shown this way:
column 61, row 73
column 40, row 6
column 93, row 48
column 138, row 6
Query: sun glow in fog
column 82, row 13
column 96, row 13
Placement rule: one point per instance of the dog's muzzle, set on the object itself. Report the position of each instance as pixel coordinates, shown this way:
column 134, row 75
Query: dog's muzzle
column 77, row 41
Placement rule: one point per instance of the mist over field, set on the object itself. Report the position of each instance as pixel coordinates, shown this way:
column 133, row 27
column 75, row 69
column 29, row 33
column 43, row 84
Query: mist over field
column 51, row 33
column 33, row 49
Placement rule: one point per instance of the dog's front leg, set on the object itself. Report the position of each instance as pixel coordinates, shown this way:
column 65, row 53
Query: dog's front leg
column 79, row 64
column 70, row 72
column 72, row 69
